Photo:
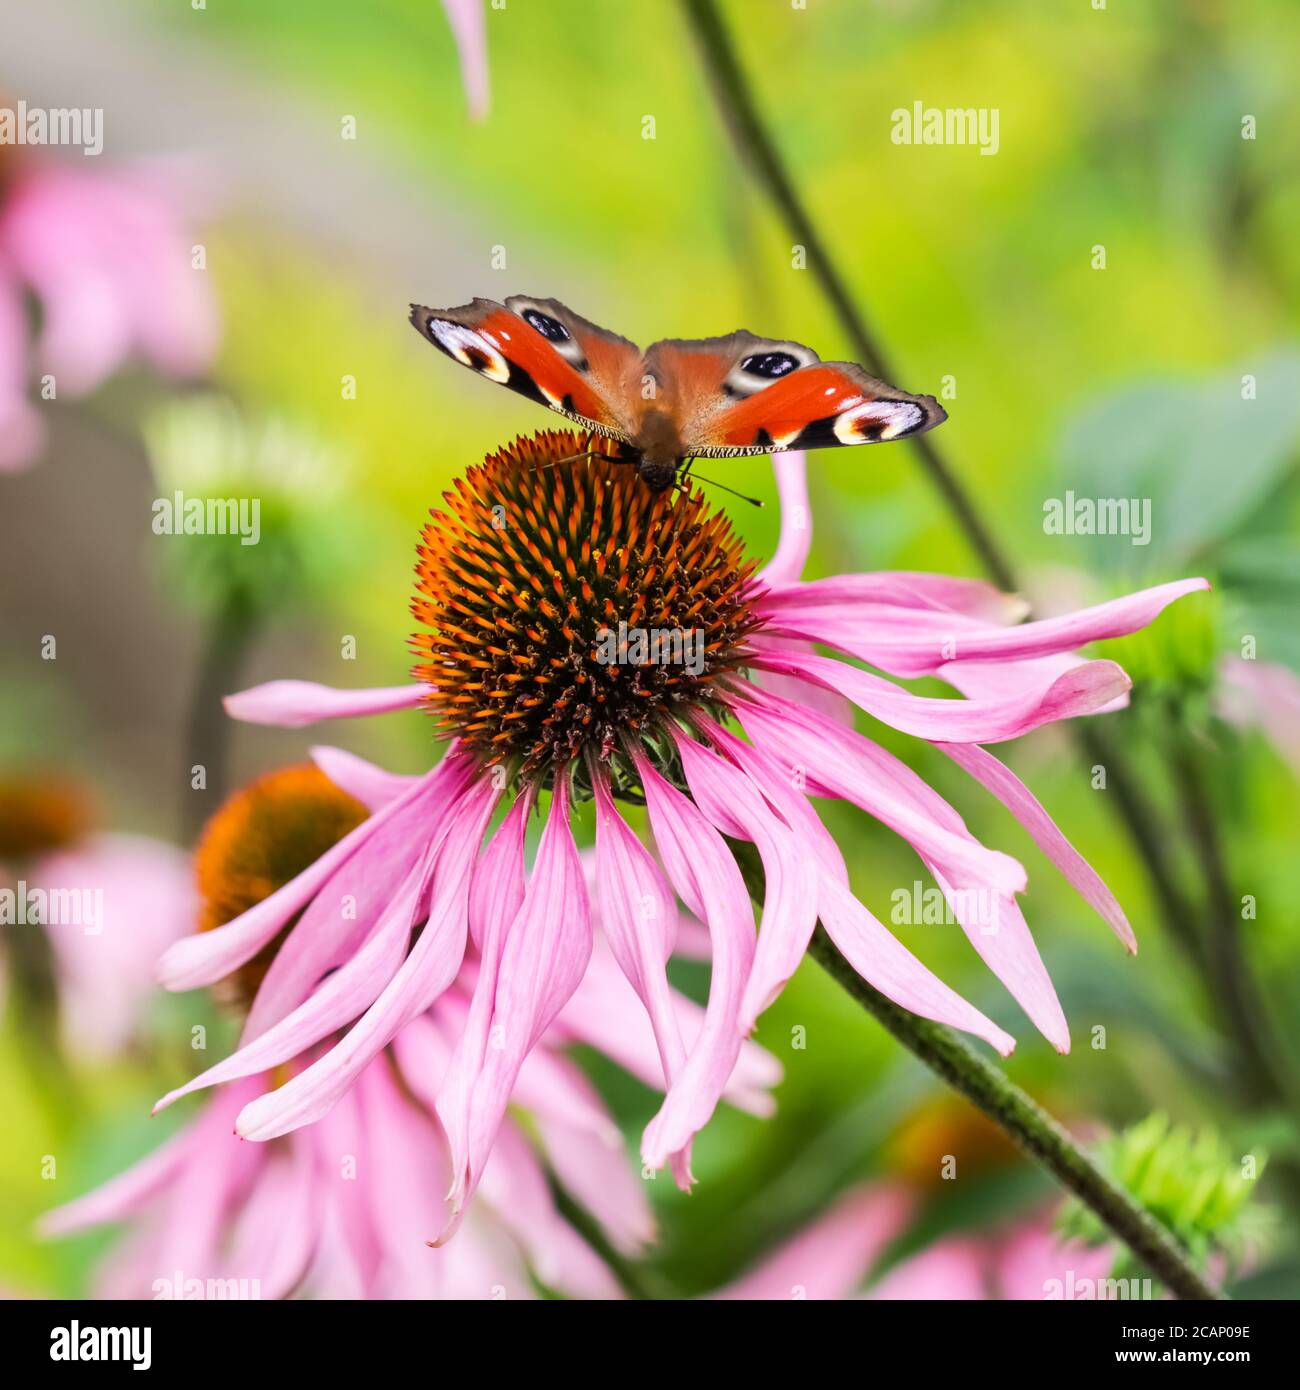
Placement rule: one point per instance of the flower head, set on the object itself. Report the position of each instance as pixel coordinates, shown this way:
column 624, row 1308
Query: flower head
column 40, row 812
column 520, row 580
column 517, row 606
column 259, row 839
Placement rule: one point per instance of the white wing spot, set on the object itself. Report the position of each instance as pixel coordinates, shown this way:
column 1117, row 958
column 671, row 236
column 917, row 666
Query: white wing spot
column 460, row 342
column 894, row 418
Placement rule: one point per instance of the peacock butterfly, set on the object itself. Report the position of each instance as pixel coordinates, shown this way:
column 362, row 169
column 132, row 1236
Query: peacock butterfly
column 683, row 398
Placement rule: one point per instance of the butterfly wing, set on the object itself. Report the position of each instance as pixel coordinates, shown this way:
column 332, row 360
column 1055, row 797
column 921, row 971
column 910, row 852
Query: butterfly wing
column 742, row 394
column 544, row 351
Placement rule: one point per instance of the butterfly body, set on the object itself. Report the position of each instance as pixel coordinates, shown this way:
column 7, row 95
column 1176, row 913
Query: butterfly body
column 683, row 398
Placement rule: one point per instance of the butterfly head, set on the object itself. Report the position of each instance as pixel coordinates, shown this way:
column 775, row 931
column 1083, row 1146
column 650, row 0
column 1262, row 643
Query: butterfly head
column 659, row 451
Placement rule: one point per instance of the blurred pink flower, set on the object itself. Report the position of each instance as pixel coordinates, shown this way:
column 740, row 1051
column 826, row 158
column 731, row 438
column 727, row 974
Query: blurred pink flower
column 420, row 856
column 1265, row 694
column 835, row 1256
column 106, row 256
column 343, row 1208
column 145, row 900
column 468, row 27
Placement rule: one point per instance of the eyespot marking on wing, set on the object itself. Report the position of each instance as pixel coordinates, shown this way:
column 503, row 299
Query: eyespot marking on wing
column 471, row 348
column 875, row 421
column 761, row 368
column 541, row 320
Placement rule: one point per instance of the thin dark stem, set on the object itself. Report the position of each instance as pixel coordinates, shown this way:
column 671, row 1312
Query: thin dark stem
column 635, row 1280
column 1262, row 1058
column 1140, row 819
column 35, row 1009
column 750, row 136
column 230, row 633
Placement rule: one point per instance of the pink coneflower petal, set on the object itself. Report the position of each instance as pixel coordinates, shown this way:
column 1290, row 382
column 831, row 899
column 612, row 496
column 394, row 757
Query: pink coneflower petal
column 1267, row 694
column 425, row 973
column 827, row 702
column 597, row 1173
column 861, row 938
column 175, row 320
column 546, row 952
column 639, row 918
column 1081, row 691
column 342, row 916
column 795, row 539
column 776, row 782
column 978, row 886
column 737, row 808
column 496, row 895
column 708, row 881
column 555, row 1089
column 954, row 1270
column 499, row 884
column 405, row 1166
column 1029, row 811
column 895, row 589
column 603, row 1014
column 59, row 228
column 131, row 1191
column 210, row 956
column 550, row 1085
column 915, row 642
column 514, row 1185
column 1000, row 680
column 853, row 929
column 468, row 27
column 293, row 704
column 845, row 764
column 1033, row 1256
column 886, row 964
column 373, row 786
column 105, row 976
column 830, row 1258
column 347, row 992
column 275, row 1230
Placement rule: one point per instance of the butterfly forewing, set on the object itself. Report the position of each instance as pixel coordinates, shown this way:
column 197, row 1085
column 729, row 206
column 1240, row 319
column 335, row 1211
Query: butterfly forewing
column 747, row 395
column 543, row 351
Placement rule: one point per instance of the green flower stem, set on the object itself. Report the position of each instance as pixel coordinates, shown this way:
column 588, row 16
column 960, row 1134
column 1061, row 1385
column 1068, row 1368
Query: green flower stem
column 1016, row 1113
column 227, row 638
column 1264, row 1060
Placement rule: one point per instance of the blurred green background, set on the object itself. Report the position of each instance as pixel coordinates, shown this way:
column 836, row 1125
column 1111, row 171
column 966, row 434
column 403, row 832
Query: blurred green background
column 1119, row 127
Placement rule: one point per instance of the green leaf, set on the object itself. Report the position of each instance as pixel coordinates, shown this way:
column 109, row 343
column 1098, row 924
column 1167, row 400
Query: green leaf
column 1204, row 456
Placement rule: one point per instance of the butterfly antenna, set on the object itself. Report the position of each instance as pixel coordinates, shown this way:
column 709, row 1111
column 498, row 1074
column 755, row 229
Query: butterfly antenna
column 700, row 478
column 573, row 458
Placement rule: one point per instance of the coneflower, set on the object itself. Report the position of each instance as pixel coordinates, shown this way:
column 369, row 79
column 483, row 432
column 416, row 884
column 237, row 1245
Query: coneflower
column 543, row 587
column 344, row 1207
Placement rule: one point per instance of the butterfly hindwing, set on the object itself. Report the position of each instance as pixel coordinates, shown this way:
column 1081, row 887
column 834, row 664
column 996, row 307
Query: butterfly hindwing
column 543, row 351
column 748, row 395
